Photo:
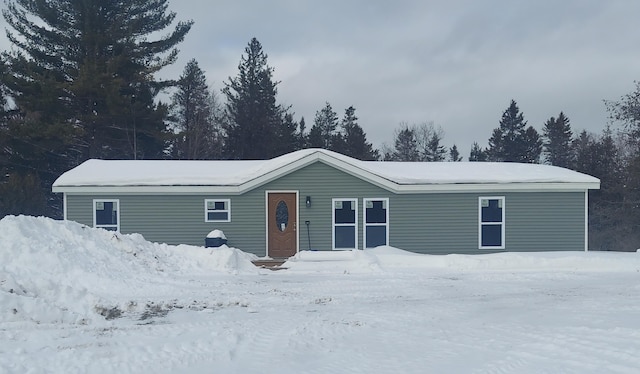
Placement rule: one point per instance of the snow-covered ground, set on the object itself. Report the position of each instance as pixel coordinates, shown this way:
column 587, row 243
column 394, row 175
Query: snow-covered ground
column 79, row 300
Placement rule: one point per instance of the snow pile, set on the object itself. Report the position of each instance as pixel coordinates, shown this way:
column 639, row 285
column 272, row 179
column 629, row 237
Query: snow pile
column 53, row 271
column 388, row 258
column 334, row 262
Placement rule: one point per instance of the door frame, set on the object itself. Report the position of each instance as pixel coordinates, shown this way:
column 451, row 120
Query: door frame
column 266, row 218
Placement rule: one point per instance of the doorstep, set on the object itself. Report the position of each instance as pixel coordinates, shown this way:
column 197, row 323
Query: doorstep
column 271, row 263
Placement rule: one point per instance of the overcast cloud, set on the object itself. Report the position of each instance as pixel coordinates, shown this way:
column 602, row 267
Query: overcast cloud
column 457, row 63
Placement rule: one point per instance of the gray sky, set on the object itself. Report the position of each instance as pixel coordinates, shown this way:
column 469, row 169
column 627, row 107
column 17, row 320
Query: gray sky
column 457, row 63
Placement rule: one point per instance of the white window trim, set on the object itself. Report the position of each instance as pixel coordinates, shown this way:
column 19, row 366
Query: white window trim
column 119, row 214
column 228, row 210
column 480, row 223
column 365, row 225
column 334, row 225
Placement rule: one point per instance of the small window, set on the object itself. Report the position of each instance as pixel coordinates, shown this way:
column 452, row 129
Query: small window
column 376, row 222
column 345, row 223
column 491, row 222
column 217, row 210
column 106, row 214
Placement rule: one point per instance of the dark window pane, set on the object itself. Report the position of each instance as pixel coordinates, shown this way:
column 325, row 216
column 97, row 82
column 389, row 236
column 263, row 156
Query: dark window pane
column 376, row 214
column 108, row 215
column 492, row 213
column 345, row 237
column 282, row 215
column 219, row 205
column 491, row 235
column 217, row 216
column 347, row 214
column 376, row 235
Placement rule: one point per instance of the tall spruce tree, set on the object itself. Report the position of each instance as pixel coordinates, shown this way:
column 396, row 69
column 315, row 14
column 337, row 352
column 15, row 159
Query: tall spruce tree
column 81, row 74
column 354, row 140
column 323, row 133
column 557, row 141
column 255, row 120
column 192, row 116
column 512, row 141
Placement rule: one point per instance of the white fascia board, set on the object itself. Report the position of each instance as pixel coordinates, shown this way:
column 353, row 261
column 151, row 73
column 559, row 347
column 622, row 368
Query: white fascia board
column 148, row 190
column 395, row 188
column 497, row 187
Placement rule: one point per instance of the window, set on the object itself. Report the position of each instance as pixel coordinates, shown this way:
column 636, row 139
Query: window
column 376, row 222
column 345, row 223
column 491, row 225
column 105, row 214
column 217, row 210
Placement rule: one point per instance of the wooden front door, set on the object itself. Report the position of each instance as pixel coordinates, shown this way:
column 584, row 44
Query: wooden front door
column 282, row 218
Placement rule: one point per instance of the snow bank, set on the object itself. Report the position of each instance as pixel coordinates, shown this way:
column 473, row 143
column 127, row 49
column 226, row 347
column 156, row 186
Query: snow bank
column 388, row 258
column 54, row 271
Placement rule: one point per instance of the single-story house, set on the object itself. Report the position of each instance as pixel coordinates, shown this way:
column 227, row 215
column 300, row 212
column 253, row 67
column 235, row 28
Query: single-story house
column 321, row 200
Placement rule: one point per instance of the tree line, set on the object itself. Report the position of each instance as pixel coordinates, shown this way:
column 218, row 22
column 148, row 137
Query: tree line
column 80, row 82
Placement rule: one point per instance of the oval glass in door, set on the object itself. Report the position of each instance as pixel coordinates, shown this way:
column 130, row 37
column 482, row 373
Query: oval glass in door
column 282, row 215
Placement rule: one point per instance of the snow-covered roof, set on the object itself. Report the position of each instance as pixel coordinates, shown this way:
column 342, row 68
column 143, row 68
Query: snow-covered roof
column 241, row 175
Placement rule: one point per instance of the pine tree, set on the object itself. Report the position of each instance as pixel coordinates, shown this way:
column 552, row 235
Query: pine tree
column 434, row 150
column 477, row 153
column 255, row 120
column 454, row 154
column 533, row 146
column 192, row 115
column 354, row 140
column 287, row 135
column 512, row 141
column 405, row 145
column 323, row 133
column 81, row 74
column 557, row 144
column 610, row 219
column 91, row 64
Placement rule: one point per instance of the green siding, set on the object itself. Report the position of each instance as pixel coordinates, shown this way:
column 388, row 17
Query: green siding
column 436, row 223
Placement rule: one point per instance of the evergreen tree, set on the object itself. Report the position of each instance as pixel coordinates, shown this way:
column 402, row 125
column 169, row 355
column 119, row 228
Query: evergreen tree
column 303, row 142
column 533, row 146
column 557, row 144
column 434, row 150
column 323, row 133
column 609, row 216
column 454, row 154
column 428, row 139
column 192, row 115
column 477, row 153
column 405, row 145
column 512, row 141
column 354, row 140
column 287, row 135
column 89, row 65
column 255, row 121
column 81, row 74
